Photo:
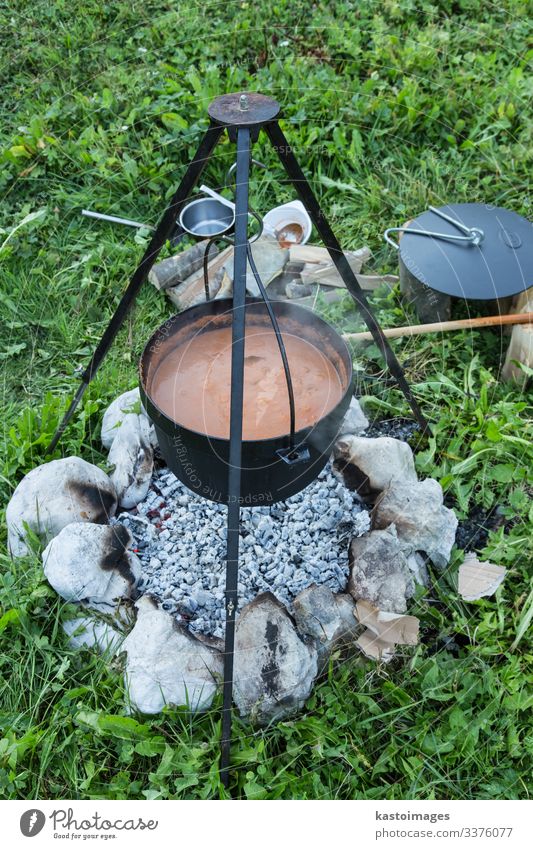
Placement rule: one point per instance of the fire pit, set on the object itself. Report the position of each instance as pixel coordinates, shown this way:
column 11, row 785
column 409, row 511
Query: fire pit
column 143, row 559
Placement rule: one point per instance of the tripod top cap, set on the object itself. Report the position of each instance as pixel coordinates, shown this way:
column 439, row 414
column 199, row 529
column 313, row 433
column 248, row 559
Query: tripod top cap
column 243, row 109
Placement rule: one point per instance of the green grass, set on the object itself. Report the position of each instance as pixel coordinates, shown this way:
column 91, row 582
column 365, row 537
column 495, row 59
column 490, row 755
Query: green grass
column 390, row 106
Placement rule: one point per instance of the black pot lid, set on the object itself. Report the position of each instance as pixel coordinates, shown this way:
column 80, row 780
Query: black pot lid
column 500, row 265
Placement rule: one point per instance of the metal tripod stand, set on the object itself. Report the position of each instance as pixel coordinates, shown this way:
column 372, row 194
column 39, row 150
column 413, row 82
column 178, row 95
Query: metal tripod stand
column 242, row 115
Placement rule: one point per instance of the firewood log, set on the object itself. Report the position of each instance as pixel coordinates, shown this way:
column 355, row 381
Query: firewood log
column 174, row 270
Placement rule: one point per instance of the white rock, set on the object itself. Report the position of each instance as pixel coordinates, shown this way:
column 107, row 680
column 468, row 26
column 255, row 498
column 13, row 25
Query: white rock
column 132, row 458
column 371, row 465
column 87, row 632
column 56, row 494
column 167, row 665
column 421, row 520
column 355, row 422
column 380, row 572
column 91, row 563
column 274, row 668
column 127, row 407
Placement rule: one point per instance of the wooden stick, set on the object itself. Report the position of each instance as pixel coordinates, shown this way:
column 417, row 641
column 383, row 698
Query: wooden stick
column 444, row 326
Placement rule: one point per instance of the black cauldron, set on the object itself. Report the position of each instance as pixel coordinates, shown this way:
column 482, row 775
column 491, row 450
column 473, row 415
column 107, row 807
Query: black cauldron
column 201, row 461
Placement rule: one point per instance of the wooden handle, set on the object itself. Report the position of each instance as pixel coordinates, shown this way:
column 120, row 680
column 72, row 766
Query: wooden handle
column 444, row 326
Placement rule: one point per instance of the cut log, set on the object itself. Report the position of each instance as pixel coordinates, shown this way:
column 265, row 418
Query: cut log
column 176, row 269
column 326, row 273
column 308, row 253
column 367, row 282
column 191, row 291
column 520, row 349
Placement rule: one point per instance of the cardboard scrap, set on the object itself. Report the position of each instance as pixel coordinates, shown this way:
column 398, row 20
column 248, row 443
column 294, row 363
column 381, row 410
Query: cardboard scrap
column 478, row 579
column 397, row 628
column 385, row 631
column 375, row 648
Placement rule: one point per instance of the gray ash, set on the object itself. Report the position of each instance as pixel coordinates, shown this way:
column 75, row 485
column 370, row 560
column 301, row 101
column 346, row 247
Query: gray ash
column 180, row 539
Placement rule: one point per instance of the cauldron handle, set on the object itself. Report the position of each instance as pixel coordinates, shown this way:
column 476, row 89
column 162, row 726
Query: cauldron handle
column 281, row 347
column 289, row 455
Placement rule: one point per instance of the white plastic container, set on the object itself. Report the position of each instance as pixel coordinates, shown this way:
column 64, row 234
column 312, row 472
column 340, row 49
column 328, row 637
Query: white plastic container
column 292, row 212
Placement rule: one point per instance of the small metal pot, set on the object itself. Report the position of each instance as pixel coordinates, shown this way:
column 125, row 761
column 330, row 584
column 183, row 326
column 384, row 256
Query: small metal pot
column 207, row 217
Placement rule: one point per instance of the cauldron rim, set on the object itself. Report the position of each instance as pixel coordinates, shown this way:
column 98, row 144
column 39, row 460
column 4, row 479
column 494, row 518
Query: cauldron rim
column 299, row 434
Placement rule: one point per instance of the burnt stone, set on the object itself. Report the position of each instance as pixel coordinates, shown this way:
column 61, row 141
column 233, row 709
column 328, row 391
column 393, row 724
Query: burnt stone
column 115, row 556
column 97, row 502
column 274, row 667
column 54, row 495
column 90, row 563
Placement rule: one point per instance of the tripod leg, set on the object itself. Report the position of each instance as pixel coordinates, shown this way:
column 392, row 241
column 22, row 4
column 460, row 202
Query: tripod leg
column 161, row 234
column 297, row 177
column 235, row 445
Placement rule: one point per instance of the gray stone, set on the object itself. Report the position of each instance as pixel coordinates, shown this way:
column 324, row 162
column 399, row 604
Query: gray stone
column 274, row 668
column 422, row 521
column 132, row 459
column 55, row 494
column 355, row 422
column 370, row 465
column 167, row 665
column 325, row 616
column 297, row 289
column 91, row 563
column 379, row 571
